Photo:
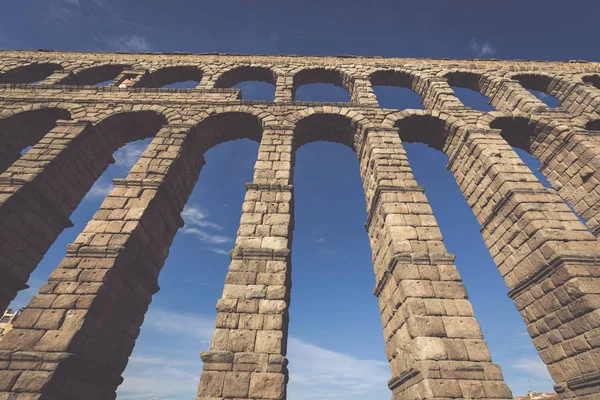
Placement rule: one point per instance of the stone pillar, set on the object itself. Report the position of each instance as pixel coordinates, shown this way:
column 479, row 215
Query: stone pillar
column 246, row 359
column 571, row 161
column 507, row 95
column 436, row 93
column 74, row 338
column 284, row 88
column 57, row 77
column 433, row 342
column 39, row 192
column 363, row 93
column 548, row 258
column 575, row 95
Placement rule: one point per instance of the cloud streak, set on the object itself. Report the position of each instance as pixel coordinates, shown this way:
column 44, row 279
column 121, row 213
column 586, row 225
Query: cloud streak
column 532, row 366
column 482, row 49
column 100, row 190
column 129, row 43
column 128, row 155
column 197, row 224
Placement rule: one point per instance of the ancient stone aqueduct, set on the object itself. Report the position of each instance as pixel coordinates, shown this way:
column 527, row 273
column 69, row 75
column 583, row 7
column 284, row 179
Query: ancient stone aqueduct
column 74, row 338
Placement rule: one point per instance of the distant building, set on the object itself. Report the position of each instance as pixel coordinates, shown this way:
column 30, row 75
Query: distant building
column 7, row 320
column 538, row 396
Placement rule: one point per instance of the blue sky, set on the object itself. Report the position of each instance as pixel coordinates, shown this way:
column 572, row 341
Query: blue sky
column 336, row 350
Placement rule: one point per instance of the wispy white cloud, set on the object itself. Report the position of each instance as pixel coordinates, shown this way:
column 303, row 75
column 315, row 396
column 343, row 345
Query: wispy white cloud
column 97, row 16
column 188, row 325
column 532, row 366
column 319, row 373
column 133, row 43
column 219, row 251
column 207, row 237
column 527, row 373
column 319, row 238
column 197, row 224
column 100, row 190
column 482, row 49
column 195, row 216
column 63, row 13
column 128, row 155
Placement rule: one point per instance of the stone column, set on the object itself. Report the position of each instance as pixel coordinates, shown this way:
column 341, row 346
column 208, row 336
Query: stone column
column 507, row 95
column 74, row 338
column 436, row 93
column 363, row 93
column 284, row 88
column 433, row 343
column 548, row 258
column 575, row 95
column 39, row 192
column 571, row 161
column 57, row 77
column 246, row 359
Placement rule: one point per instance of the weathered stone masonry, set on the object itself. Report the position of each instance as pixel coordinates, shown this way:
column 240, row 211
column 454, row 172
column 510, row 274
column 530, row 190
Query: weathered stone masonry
column 73, row 340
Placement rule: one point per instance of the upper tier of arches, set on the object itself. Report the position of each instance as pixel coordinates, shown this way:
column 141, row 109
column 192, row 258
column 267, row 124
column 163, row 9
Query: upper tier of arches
column 506, row 89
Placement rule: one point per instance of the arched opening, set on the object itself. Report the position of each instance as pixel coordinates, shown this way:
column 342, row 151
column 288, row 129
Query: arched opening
column 320, row 84
column 394, row 90
column 517, row 131
column 255, row 83
column 101, row 75
column 539, row 86
column 69, row 171
column 23, row 130
column 332, row 353
column 467, row 87
column 182, row 314
column 180, row 77
column 512, row 349
column 324, row 127
column 593, row 79
column 593, row 125
column 31, row 73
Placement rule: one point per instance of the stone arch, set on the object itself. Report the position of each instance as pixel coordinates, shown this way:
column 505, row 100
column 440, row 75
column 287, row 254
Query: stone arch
column 593, row 79
column 438, row 129
column 324, row 127
column 94, row 74
column 242, row 73
column 333, row 76
column 465, row 79
column 518, row 131
column 167, row 75
column 593, row 125
column 530, row 134
column 263, row 116
column 56, row 175
column 172, row 116
column 552, row 85
column 121, row 128
column 29, row 73
column 226, row 126
column 395, row 77
column 26, row 128
column 359, row 123
column 534, row 80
